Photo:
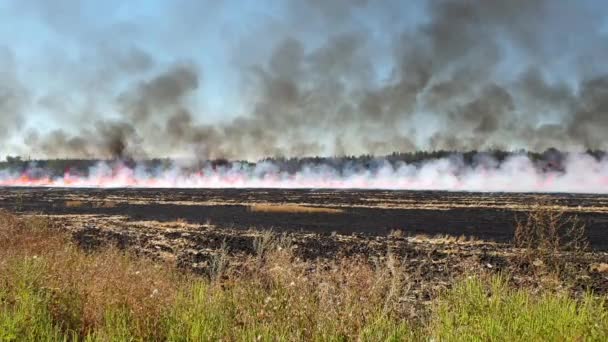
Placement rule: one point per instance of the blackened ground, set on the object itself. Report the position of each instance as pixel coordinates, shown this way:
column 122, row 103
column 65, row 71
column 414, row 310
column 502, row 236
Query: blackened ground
column 487, row 216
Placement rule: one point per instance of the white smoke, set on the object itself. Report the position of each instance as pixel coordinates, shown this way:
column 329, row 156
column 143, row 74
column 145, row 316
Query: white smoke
column 578, row 173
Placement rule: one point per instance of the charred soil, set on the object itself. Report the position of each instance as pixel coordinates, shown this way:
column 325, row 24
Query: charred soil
column 436, row 236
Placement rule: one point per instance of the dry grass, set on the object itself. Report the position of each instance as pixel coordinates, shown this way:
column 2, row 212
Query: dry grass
column 105, row 204
column 81, row 203
column 292, row 209
column 396, row 233
column 545, row 233
column 445, row 239
column 74, row 203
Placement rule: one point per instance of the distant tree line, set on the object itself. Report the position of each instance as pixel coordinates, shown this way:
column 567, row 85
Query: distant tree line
column 548, row 159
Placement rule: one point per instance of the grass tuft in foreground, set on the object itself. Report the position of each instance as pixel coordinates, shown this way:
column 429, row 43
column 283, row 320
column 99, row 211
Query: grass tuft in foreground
column 51, row 290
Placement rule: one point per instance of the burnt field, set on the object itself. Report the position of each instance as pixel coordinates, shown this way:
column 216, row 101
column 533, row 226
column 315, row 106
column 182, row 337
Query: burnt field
column 485, row 216
column 438, row 236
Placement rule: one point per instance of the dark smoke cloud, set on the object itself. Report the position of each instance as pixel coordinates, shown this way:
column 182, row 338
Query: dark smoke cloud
column 471, row 74
column 159, row 94
column 590, row 120
column 144, row 110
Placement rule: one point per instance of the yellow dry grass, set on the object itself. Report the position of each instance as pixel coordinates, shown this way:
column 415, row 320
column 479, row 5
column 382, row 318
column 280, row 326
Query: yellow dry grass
column 292, row 209
column 73, row 203
column 76, row 203
column 105, row 204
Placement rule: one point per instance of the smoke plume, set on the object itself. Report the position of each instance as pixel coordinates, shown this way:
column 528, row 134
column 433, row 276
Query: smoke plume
column 302, row 78
column 549, row 172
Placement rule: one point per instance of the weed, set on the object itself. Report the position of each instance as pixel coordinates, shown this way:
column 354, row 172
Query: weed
column 219, row 262
column 546, row 233
column 267, row 242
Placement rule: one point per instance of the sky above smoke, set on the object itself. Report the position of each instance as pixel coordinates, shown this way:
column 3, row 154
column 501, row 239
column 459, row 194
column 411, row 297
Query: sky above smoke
column 248, row 79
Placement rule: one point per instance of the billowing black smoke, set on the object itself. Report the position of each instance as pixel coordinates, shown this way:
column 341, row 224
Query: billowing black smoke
column 324, row 79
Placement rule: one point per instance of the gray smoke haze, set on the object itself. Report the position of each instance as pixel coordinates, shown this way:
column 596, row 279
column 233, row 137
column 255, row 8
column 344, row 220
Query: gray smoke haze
column 326, row 77
column 13, row 96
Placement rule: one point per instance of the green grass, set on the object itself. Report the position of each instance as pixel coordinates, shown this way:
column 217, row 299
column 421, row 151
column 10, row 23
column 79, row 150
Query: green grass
column 25, row 306
column 52, row 291
column 492, row 311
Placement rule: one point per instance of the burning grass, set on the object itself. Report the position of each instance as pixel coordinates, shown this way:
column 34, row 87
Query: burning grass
column 292, row 209
column 52, row 290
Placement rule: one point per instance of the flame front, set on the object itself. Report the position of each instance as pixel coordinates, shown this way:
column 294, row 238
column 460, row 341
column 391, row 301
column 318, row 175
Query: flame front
column 581, row 174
